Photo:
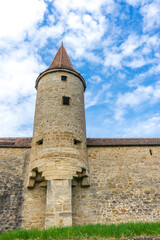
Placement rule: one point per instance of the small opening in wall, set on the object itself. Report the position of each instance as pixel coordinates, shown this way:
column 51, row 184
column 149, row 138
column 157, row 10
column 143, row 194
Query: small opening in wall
column 40, row 142
column 77, row 142
column 64, row 78
column 150, row 152
column 66, row 100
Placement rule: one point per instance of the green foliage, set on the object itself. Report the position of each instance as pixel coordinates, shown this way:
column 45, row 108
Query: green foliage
column 123, row 230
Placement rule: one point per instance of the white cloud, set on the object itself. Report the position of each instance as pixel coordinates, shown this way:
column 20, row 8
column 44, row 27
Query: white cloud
column 19, row 64
column 46, row 32
column 118, row 56
column 16, row 120
column 92, row 99
column 136, row 63
column 92, row 6
column 134, row 99
column 133, row 2
column 132, row 43
column 133, row 52
column 84, row 24
column 151, row 15
column 84, row 32
column 19, row 16
column 153, row 41
column 146, row 128
column 136, row 3
column 141, row 77
column 95, row 79
column 113, row 59
column 150, row 12
column 18, row 72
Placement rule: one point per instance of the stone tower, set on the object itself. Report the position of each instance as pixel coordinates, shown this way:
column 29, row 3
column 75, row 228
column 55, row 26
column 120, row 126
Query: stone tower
column 59, row 150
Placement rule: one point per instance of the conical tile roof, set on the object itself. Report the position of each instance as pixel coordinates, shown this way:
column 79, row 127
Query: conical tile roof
column 61, row 60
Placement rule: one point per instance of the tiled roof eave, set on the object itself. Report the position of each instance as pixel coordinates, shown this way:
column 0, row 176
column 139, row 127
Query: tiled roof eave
column 50, row 70
column 15, row 142
column 91, row 142
column 118, row 142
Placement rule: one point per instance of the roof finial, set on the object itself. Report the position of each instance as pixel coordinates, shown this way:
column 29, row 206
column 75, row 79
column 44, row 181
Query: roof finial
column 62, row 43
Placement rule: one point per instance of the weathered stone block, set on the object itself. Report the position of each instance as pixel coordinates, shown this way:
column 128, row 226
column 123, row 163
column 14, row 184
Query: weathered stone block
column 85, row 182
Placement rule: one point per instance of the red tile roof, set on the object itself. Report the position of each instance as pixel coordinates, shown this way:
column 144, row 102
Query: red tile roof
column 16, row 142
column 61, row 60
column 123, row 142
column 91, row 142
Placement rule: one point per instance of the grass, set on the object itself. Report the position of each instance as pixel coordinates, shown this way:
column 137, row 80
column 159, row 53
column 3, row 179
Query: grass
column 124, row 230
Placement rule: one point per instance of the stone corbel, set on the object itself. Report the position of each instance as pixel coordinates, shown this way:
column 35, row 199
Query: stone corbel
column 34, row 177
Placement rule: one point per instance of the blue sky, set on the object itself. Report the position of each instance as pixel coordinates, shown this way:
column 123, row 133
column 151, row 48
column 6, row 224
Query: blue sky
column 114, row 44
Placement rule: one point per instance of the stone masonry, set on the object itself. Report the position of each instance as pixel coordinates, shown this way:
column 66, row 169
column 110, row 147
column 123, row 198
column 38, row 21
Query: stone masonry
column 125, row 186
column 12, row 170
column 59, row 151
column 60, row 178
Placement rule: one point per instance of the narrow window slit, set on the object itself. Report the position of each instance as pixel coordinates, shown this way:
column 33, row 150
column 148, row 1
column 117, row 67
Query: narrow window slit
column 150, row 152
column 40, row 142
column 64, row 78
column 77, row 142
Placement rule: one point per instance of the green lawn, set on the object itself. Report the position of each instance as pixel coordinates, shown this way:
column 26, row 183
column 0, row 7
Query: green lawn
column 97, row 231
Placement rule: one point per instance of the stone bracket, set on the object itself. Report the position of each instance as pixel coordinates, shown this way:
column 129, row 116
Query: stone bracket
column 85, row 182
column 76, row 176
column 83, row 178
column 34, row 177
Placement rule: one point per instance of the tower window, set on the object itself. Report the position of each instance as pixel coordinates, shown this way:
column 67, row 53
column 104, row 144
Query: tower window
column 64, row 78
column 66, row 100
column 77, row 142
column 40, row 142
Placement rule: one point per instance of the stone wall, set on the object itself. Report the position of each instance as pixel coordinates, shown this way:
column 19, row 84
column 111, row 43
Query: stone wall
column 12, row 171
column 125, row 186
column 34, row 207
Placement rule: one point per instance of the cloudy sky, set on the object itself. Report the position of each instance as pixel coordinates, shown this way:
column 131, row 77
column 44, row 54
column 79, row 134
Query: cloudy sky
column 114, row 44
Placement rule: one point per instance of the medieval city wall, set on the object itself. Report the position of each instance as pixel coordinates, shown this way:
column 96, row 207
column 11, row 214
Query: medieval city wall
column 13, row 163
column 125, row 186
